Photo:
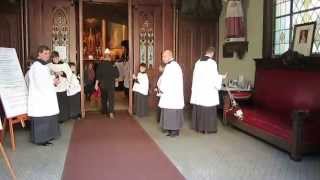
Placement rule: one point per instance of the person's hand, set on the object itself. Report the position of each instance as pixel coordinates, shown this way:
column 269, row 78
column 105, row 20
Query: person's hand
column 134, row 76
column 56, row 81
column 224, row 76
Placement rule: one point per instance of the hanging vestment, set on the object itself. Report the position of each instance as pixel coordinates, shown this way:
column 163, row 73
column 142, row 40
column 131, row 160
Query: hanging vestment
column 234, row 19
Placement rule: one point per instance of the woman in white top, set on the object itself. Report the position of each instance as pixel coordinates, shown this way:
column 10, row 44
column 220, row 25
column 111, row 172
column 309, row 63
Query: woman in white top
column 140, row 89
column 61, row 71
column 73, row 93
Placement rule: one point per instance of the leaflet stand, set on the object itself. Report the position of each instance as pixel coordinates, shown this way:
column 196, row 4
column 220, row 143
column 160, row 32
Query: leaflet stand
column 4, row 154
column 12, row 121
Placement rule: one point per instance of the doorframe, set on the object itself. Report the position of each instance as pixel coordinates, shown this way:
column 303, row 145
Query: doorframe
column 131, row 57
column 80, row 50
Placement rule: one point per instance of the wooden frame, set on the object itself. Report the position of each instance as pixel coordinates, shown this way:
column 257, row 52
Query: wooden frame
column 12, row 121
column 303, row 37
column 5, row 156
column 130, row 31
column 6, row 159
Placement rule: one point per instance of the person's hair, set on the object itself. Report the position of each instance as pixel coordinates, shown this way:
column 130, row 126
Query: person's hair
column 54, row 54
column 210, row 50
column 143, row 65
column 42, row 48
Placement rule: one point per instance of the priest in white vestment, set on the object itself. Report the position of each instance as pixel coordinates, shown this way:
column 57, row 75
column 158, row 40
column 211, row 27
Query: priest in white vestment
column 42, row 100
column 206, row 83
column 172, row 99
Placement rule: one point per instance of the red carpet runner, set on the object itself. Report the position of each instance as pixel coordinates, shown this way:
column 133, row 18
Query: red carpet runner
column 115, row 149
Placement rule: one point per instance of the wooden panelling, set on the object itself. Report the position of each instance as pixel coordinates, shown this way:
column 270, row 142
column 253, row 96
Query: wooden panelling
column 153, row 14
column 10, row 31
column 167, row 28
column 267, row 28
column 147, row 2
column 10, row 27
column 40, row 23
column 162, row 13
column 194, row 38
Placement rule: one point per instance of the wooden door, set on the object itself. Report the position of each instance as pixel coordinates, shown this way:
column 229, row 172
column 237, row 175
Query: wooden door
column 194, row 37
column 148, row 42
column 11, row 27
column 52, row 23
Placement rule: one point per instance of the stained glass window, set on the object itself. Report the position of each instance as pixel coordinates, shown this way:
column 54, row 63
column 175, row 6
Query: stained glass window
column 288, row 13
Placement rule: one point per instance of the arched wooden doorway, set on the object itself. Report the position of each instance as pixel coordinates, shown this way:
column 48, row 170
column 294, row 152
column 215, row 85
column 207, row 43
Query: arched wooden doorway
column 81, row 47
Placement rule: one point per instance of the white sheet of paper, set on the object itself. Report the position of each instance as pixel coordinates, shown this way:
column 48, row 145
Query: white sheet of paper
column 13, row 89
column 62, row 50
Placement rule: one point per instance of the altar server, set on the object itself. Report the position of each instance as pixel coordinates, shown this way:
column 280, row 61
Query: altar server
column 171, row 100
column 204, row 96
column 73, row 93
column 63, row 72
column 42, row 100
column 140, row 89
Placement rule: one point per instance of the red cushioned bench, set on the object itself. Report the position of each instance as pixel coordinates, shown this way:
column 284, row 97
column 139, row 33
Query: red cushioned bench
column 285, row 105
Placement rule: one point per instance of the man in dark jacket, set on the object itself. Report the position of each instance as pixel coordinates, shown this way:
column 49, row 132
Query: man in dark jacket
column 105, row 77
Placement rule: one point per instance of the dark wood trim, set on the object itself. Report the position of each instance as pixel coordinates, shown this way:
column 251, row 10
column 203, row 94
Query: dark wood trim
column 22, row 36
column 298, row 118
column 77, row 16
column 26, row 18
column 131, row 55
column 267, row 28
column 301, row 63
column 147, row 3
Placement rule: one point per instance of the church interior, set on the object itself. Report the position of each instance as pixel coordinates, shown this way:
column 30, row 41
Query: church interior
column 261, row 55
column 105, row 27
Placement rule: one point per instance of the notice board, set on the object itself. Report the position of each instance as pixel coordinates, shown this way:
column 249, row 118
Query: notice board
column 13, row 89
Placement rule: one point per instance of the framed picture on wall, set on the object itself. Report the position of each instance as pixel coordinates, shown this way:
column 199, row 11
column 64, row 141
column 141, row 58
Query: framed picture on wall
column 303, row 36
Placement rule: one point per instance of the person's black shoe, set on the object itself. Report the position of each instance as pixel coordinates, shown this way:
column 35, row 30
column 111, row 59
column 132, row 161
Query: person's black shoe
column 44, row 143
column 169, row 133
column 49, row 143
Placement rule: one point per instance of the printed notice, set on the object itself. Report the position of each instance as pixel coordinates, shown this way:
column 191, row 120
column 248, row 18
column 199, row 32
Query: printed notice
column 13, row 89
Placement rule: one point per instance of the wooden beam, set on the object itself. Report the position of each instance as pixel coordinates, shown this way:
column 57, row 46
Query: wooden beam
column 267, row 28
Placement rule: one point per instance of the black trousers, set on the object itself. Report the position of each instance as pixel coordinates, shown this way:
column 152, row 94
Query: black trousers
column 63, row 102
column 107, row 100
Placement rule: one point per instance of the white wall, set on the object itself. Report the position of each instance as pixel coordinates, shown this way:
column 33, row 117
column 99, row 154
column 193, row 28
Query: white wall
column 244, row 66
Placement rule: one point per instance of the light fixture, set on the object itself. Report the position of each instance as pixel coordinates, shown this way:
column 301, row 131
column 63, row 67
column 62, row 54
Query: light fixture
column 107, row 51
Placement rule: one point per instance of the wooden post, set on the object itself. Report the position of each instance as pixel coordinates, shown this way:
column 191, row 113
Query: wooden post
column 3, row 152
column 298, row 116
column 12, row 121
